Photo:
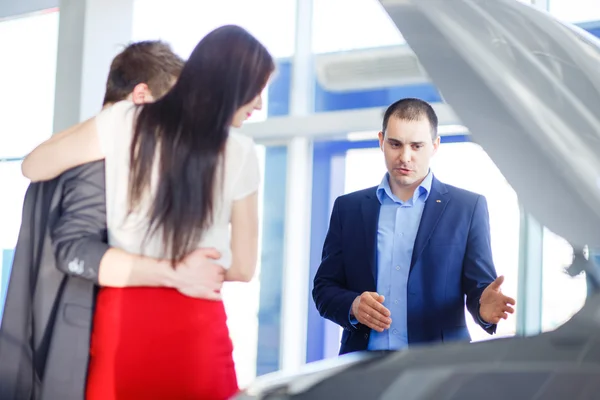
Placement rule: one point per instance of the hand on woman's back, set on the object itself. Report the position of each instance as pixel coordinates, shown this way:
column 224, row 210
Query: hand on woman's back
column 198, row 275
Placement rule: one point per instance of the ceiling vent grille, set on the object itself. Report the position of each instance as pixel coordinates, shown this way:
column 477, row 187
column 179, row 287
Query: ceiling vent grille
column 369, row 69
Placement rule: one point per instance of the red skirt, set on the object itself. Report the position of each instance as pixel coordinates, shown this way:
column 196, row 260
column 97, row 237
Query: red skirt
column 155, row 343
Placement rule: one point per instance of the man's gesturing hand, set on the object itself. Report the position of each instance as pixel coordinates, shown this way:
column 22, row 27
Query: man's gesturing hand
column 368, row 309
column 197, row 275
column 495, row 306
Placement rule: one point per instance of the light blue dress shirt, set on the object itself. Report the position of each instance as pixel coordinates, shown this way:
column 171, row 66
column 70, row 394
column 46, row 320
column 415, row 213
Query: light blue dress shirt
column 396, row 233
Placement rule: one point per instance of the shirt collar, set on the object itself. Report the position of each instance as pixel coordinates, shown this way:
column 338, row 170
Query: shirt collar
column 384, row 189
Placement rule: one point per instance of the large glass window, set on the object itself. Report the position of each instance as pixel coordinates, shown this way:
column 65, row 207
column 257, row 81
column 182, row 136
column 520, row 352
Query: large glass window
column 562, row 295
column 468, row 166
column 355, row 42
column 575, row 10
column 241, row 303
column 335, row 23
column 465, row 165
column 12, row 186
column 341, row 25
column 184, row 22
column 27, row 74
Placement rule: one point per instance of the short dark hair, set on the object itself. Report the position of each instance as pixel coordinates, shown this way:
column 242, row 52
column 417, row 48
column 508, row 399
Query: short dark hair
column 152, row 62
column 411, row 109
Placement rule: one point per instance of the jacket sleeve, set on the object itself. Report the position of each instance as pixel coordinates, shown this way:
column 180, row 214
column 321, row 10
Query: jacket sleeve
column 330, row 295
column 478, row 265
column 79, row 236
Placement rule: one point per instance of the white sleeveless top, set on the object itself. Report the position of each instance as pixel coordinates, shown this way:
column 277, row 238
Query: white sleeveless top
column 115, row 126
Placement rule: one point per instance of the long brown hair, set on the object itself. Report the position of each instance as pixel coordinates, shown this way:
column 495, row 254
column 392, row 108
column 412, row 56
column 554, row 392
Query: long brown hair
column 188, row 128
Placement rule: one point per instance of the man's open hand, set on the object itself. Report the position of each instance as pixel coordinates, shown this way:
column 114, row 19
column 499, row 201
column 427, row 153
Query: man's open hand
column 493, row 305
column 368, row 309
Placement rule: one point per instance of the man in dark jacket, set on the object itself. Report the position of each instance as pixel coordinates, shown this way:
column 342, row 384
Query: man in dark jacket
column 45, row 332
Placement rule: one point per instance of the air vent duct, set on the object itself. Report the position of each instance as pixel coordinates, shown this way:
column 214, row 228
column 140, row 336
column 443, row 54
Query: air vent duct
column 369, row 69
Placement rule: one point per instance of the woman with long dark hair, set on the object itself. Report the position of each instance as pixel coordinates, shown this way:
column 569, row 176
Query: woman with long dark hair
column 176, row 180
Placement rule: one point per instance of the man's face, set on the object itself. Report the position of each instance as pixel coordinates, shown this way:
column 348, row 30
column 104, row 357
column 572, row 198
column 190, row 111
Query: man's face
column 408, row 148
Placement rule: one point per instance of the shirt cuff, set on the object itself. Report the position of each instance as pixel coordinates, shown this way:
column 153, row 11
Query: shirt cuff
column 480, row 320
column 353, row 321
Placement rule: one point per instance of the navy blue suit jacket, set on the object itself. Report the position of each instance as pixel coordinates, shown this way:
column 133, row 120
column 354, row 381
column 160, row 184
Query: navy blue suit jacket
column 452, row 258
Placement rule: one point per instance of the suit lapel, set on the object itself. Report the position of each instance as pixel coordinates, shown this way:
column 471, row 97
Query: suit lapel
column 434, row 207
column 370, row 213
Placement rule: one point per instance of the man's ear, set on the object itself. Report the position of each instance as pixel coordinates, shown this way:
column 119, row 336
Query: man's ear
column 141, row 94
column 437, row 141
column 436, row 144
column 381, row 137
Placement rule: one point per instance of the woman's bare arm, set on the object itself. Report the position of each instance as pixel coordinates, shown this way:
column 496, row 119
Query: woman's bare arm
column 65, row 150
column 244, row 239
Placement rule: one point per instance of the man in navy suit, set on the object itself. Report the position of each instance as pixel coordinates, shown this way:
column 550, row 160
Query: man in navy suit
column 400, row 258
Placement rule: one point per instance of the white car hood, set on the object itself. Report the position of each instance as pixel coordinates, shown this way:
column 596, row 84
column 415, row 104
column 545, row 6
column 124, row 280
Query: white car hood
column 528, row 88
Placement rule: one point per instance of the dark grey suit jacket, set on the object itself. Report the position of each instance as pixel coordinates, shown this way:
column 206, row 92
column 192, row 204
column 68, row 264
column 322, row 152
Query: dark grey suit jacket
column 45, row 332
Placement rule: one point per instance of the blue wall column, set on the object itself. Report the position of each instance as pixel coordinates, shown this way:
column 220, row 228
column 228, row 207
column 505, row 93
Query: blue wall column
column 319, row 224
column 271, row 269
column 529, row 306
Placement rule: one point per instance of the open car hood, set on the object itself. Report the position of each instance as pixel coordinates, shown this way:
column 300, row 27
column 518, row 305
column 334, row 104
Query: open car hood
column 528, row 88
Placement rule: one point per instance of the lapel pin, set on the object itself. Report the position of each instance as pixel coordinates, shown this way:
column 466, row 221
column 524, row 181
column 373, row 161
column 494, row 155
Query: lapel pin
column 438, row 201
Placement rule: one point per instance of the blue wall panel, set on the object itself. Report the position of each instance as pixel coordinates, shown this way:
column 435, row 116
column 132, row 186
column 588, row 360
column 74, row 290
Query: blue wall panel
column 592, row 27
column 279, row 90
column 279, row 93
column 595, row 31
column 335, row 101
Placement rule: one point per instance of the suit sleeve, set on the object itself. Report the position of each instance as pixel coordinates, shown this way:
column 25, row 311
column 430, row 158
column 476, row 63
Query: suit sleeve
column 330, row 295
column 478, row 265
column 79, row 237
